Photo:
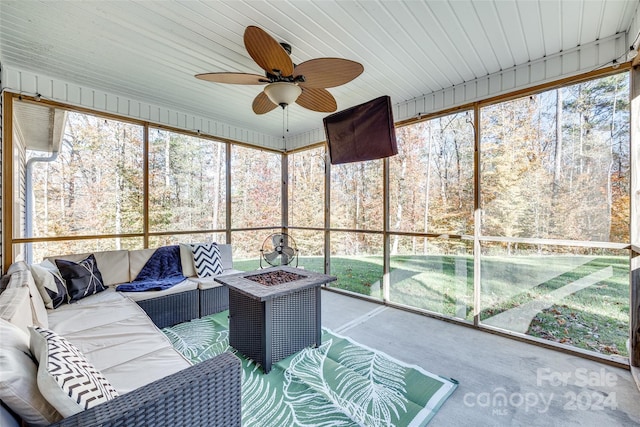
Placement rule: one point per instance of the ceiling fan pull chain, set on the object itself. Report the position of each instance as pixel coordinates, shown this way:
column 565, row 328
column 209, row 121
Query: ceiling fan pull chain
column 283, row 138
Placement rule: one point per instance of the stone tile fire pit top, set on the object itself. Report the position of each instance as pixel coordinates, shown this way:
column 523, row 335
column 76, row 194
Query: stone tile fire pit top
column 273, row 278
column 296, row 279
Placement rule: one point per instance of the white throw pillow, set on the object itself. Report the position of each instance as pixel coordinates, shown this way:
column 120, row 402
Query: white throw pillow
column 207, row 260
column 50, row 283
column 18, row 379
column 65, row 377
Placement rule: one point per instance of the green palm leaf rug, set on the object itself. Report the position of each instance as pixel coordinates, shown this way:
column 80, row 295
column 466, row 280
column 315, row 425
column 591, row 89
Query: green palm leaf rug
column 340, row 383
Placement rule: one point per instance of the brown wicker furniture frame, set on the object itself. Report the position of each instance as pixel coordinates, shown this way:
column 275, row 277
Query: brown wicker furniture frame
column 206, row 394
column 169, row 310
column 213, row 300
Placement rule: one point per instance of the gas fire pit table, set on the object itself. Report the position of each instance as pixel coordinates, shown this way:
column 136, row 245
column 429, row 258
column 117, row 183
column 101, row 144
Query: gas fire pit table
column 274, row 312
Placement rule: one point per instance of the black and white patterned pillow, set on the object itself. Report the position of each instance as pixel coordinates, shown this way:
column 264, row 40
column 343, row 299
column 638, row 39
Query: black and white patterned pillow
column 50, row 284
column 82, row 278
column 68, row 381
column 207, row 259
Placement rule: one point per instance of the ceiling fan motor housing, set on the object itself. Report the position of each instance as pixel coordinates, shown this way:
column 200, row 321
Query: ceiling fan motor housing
column 286, row 47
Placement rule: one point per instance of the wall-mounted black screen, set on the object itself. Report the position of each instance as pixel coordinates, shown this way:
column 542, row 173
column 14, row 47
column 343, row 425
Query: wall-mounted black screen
column 363, row 132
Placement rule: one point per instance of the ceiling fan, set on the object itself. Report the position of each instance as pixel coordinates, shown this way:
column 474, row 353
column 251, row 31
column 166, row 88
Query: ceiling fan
column 304, row 84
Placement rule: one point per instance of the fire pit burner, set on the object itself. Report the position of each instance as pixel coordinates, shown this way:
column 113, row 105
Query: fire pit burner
column 273, row 278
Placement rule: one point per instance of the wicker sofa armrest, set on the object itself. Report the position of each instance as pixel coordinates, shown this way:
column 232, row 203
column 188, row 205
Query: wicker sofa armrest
column 205, row 394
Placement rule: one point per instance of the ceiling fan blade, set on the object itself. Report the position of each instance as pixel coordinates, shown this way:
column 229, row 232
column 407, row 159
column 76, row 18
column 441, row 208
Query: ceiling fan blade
column 262, row 104
column 233, row 78
column 327, row 72
column 317, row 99
column 267, row 52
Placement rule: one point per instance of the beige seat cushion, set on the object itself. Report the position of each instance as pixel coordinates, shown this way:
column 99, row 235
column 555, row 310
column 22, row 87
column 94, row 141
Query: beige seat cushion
column 92, row 312
column 68, row 381
column 146, row 369
column 210, row 282
column 185, row 285
column 119, row 339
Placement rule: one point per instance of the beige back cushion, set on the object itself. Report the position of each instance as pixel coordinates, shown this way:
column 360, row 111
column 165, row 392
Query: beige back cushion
column 186, row 256
column 21, row 278
column 137, row 259
column 225, row 255
column 15, row 307
column 113, row 265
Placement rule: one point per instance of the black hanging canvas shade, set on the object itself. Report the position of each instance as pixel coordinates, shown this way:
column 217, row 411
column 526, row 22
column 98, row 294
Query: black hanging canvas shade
column 363, row 132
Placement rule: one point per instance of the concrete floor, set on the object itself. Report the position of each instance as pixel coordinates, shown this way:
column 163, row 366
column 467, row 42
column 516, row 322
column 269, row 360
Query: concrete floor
column 503, row 382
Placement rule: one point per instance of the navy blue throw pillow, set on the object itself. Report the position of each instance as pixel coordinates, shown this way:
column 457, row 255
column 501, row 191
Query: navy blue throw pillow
column 83, row 278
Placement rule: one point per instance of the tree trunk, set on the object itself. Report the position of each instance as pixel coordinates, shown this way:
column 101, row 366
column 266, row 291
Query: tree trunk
column 216, row 187
column 119, row 183
column 403, row 172
column 557, row 167
column 611, row 161
column 167, row 162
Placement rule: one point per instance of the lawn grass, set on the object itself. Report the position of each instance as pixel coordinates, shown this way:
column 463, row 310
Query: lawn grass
column 355, row 274
column 595, row 318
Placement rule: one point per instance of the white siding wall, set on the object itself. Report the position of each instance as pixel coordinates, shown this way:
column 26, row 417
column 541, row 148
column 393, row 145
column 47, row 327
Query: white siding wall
column 30, row 83
column 1, row 186
column 634, row 29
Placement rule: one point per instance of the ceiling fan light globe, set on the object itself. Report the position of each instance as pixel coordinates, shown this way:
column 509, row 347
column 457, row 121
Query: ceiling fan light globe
column 283, row 92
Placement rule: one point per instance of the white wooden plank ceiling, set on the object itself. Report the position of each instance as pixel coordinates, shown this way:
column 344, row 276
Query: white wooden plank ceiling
column 150, row 50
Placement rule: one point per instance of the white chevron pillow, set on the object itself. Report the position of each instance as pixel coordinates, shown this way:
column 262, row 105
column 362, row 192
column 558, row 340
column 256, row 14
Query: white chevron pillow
column 68, row 381
column 206, row 258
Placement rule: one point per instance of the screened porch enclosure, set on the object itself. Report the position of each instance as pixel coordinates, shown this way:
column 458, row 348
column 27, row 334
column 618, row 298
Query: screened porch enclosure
column 512, row 215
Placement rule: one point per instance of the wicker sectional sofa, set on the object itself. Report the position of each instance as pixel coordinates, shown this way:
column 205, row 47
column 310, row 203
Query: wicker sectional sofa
column 118, row 335
column 195, row 297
